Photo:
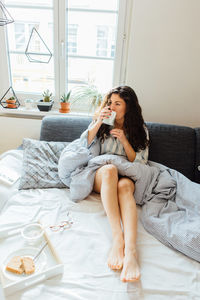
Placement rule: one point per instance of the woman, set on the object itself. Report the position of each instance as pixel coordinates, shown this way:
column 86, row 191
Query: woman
column 128, row 137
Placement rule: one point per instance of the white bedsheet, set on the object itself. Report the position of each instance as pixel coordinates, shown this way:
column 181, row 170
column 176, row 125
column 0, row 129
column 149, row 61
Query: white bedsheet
column 165, row 274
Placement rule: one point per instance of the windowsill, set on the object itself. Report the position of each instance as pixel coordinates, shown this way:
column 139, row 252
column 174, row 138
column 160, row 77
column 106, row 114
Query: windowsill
column 22, row 112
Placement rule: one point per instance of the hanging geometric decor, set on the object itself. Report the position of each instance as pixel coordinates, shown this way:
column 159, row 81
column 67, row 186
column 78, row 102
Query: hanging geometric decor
column 9, row 99
column 36, row 49
column 5, row 17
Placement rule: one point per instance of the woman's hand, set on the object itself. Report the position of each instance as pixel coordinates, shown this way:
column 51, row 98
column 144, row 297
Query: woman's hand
column 119, row 134
column 105, row 113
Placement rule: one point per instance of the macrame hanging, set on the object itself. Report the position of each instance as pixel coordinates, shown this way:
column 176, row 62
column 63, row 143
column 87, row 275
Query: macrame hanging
column 5, row 17
column 37, row 51
column 9, row 99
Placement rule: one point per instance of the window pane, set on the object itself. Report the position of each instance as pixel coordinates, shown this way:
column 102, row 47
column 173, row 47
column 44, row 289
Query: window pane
column 89, row 28
column 98, row 72
column 32, row 77
column 92, row 35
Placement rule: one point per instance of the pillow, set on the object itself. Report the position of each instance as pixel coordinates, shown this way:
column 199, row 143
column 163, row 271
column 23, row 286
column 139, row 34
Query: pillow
column 40, row 164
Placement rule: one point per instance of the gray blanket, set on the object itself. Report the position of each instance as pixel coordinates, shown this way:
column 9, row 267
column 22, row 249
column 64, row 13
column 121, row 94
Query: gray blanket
column 170, row 202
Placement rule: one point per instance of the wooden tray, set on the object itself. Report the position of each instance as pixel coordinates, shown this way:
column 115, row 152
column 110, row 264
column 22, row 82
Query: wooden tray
column 14, row 282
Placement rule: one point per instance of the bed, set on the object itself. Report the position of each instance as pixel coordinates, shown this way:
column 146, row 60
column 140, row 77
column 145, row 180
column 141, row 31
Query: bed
column 83, row 248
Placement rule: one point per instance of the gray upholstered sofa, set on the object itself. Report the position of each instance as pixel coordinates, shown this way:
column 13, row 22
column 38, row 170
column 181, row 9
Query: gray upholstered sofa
column 177, row 147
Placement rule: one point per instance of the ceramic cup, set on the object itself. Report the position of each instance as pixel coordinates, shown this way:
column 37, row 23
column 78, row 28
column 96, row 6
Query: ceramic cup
column 111, row 120
column 32, row 233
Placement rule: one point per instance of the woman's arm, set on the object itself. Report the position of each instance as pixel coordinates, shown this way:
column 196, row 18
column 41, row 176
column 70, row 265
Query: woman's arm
column 93, row 131
column 104, row 113
column 130, row 153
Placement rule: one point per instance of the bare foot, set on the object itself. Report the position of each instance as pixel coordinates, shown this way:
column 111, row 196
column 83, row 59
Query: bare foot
column 116, row 255
column 130, row 271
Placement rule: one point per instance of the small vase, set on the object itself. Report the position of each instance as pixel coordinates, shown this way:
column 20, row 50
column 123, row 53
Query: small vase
column 44, row 106
column 11, row 103
column 65, row 107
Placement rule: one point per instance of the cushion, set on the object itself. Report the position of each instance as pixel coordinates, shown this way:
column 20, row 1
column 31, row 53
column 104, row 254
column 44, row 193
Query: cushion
column 40, row 164
column 173, row 146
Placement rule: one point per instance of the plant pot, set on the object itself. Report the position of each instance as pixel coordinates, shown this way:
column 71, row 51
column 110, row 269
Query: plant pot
column 65, row 107
column 11, row 105
column 44, row 106
column 11, row 101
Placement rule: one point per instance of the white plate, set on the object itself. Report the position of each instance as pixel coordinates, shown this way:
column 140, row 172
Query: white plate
column 30, row 252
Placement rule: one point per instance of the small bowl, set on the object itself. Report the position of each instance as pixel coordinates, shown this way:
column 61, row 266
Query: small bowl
column 32, row 233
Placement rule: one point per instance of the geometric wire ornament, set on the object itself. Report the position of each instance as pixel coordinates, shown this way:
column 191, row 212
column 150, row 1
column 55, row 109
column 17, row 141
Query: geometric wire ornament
column 43, row 55
column 11, row 101
column 5, row 17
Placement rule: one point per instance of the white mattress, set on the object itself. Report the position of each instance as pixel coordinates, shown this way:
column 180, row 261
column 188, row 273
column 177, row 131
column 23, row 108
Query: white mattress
column 165, row 274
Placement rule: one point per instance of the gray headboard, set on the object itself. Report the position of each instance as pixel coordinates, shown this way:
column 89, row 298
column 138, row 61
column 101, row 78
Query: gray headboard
column 63, row 128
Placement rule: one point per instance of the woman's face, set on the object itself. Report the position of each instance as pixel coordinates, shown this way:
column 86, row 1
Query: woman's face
column 118, row 105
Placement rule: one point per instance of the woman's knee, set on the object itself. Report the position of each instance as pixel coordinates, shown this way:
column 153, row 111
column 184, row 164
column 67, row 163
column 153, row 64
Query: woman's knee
column 109, row 172
column 125, row 185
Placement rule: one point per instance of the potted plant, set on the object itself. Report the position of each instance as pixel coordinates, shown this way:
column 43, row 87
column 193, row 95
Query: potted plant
column 46, row 103
column 11, row 102
column 64, row 103
column 88, row 94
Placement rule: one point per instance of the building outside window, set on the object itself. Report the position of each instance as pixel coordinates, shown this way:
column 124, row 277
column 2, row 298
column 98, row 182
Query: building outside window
column 72, row 38
column 19, row 35
column 102, row 41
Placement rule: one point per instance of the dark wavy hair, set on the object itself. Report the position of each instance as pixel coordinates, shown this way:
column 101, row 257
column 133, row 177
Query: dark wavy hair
column 133, row 120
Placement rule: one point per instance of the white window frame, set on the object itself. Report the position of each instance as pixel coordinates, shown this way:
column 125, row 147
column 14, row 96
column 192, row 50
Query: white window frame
column 4, row 66
column 122, row 41
column 60, row 61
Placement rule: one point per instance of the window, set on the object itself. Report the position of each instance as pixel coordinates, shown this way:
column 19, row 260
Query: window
column 26, row 77
column 93, row 62
column 85, row 38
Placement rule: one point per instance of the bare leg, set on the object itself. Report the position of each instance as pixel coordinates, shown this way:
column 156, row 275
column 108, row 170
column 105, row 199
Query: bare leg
column 106, row 180
column 130, row 271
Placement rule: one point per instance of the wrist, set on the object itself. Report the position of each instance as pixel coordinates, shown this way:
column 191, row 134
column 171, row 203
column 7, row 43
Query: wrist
column 99, row 122
column 125, row 142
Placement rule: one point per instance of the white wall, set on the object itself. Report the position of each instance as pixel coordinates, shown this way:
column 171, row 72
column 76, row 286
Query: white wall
column 13, row 130
column 164, row 60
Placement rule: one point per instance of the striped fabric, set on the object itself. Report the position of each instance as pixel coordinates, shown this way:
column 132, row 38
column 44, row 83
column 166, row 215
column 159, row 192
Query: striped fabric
column 112, row 145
